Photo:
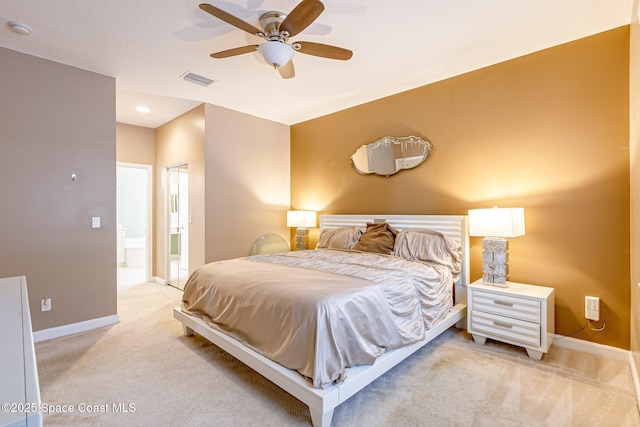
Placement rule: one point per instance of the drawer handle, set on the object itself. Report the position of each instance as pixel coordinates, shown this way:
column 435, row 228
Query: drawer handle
column 504, row 325
column 508, row 304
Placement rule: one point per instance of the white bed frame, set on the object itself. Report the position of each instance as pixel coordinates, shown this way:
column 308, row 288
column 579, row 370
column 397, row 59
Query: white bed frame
column 322, row 402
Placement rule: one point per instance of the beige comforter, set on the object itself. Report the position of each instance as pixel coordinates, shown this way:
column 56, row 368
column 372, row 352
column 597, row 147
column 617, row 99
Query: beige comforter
column 320, row 311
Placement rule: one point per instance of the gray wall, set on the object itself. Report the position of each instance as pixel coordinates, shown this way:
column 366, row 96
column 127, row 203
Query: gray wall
column 56, row 120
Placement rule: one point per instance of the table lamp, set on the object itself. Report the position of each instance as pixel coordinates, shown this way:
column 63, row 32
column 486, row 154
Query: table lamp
column 302, row 220
column 496, row 225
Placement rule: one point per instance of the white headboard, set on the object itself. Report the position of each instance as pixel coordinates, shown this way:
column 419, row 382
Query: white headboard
column 452, row 226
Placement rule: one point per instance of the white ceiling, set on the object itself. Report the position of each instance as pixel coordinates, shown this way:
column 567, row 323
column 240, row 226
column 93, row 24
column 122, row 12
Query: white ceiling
column 146, row 45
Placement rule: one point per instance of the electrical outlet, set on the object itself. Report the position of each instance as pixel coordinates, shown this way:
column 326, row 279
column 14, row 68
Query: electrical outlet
column 592, row 308
column 45, row 304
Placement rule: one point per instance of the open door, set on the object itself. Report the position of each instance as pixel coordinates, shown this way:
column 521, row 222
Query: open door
column 178, row 223
column 133, row 212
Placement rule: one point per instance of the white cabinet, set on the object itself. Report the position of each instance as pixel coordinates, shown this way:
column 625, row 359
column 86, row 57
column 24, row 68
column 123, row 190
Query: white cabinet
column 520, row 314
column 19, row 391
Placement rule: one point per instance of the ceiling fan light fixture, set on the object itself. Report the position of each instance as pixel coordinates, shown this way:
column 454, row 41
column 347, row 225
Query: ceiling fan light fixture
column 276, row 53
column 20, row 28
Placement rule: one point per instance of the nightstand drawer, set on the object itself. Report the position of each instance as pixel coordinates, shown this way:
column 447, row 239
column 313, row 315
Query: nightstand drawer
column 506, row 305
column 511, row 330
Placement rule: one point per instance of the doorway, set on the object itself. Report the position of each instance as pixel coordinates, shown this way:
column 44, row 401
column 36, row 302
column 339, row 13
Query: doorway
column 133, row 212
column 178, row 225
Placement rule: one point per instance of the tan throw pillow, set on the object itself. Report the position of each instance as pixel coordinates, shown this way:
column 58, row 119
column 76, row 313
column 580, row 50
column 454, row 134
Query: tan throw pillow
column 378, row 238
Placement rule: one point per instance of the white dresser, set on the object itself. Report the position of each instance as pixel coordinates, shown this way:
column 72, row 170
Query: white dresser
column 522, row 315
column 19, row 388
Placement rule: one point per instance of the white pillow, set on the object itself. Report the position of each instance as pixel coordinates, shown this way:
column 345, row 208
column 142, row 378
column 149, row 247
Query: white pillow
column 429, row 246
column 339, row 238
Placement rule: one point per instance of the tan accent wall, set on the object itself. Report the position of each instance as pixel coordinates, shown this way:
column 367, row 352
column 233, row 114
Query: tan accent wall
column 634, row 146
column 180, row 141
column 247, row 181
column 548, row 131
column 55, row 121
column 135, row 144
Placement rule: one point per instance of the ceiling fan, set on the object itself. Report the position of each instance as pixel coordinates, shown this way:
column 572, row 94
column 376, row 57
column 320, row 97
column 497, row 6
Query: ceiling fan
column 277, row 28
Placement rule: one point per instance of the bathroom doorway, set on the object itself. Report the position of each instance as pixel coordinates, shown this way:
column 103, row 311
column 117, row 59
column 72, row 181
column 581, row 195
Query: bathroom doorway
column 178, row 220
column 133, row 212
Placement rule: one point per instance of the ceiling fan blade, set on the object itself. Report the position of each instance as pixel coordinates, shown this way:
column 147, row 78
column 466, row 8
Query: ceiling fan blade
column 301, row 16
column 230, row 19
column 287, row 71
column 323, row 50
column 235, row 51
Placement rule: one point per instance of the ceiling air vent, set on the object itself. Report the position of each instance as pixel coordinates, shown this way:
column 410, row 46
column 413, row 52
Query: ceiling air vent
column 194, row 78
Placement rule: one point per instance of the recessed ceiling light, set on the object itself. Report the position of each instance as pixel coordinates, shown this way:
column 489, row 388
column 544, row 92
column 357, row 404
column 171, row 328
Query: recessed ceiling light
column 19, row 28
column 142, row 109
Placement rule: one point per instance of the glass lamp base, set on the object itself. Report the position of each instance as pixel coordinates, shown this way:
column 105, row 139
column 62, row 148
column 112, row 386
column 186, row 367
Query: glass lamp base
column 302, row 238
column 495, row 256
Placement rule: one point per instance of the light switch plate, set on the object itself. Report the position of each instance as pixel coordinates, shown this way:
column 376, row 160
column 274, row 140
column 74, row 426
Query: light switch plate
column 95, row 222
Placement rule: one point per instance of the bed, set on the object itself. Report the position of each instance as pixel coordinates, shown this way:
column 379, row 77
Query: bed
column 324, row 379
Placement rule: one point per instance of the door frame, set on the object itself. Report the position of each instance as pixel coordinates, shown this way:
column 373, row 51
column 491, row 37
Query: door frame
column 167, row 220
column 149, row 218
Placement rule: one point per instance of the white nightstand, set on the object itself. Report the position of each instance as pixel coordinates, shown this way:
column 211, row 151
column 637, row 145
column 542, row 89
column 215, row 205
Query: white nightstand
column 520, row 314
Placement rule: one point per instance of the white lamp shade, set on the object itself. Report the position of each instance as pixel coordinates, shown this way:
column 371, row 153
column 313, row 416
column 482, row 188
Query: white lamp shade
column 276, row 53
column 301, row 219
column 496, row 222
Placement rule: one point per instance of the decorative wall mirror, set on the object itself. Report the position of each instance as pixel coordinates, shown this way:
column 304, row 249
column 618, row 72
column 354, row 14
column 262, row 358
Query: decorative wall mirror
column 390, row 155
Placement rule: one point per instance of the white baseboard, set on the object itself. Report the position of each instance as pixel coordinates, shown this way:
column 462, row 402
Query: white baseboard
column 73, row 328
column 592, row 348
column 159, row 280
column 634, row 376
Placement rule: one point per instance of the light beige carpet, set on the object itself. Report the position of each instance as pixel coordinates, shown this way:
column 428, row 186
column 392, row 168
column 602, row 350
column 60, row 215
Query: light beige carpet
column 173, row 380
